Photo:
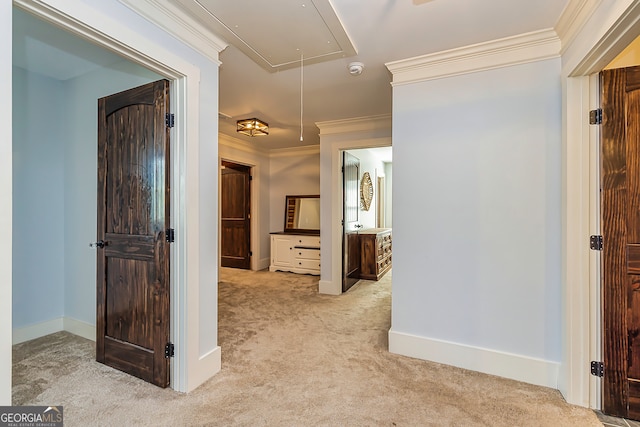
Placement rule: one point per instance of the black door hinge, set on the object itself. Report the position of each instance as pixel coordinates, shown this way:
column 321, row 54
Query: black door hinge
column 597, row 369
column 169, row 350
column 595, row 243
column 595, row 117
column 250, row 177
column 170, row 120
column 250, row 253
column 170, row 235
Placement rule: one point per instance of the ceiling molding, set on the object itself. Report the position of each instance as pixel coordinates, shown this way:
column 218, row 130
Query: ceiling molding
column 358, row 124
column 508, row 51
column 241, row 145
column 305, row 150
column 173, row 20
column 573, row 18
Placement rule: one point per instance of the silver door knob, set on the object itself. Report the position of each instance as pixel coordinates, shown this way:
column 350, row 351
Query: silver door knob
column 98, row 244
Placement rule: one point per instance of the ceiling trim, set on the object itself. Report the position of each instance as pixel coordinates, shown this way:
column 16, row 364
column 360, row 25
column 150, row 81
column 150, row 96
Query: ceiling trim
column 357, row 124
column 241, row 145
column 173, row 20
column 305, row 150
column 514, row 50
column 573, row 18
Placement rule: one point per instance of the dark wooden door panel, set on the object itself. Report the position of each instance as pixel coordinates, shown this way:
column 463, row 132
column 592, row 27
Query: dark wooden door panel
column 351, row 215
column 235, row 222
column 132, row 325
column 620, row 209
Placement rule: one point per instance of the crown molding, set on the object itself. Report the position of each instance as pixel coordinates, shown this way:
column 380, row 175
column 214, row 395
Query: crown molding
column 573, row 18
column 239, row 144
column 176, row 22
column 305, row 150
column 358, row 124
column 514, row 50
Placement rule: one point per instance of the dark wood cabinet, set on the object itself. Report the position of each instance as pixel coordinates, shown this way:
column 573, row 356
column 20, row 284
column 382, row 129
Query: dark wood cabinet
column 375, row 253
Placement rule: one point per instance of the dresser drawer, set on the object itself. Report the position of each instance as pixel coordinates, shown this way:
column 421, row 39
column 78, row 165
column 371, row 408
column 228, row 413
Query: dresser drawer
column 306, row 253
column 307, row 264
column 307, row 241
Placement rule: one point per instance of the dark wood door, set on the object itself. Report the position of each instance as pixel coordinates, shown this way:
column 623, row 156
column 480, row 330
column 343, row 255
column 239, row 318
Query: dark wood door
column 133, row 214
column 235, row 223
column 620, row 209
column 350, row 217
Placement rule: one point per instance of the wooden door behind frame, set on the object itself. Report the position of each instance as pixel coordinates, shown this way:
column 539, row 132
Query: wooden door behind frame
column 235, row 222
column 350, row 218
column 132, row 325
column 620, row 209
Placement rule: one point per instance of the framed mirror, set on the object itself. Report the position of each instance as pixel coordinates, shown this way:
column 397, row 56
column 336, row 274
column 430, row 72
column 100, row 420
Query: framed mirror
column 302, row 214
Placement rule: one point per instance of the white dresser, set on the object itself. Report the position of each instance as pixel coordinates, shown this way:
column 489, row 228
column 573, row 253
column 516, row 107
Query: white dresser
column 297, row 253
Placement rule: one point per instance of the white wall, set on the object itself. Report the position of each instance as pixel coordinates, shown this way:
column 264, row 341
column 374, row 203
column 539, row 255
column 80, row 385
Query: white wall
column 369, row 163
column 6, row 159
column 38, row 202
column 477, row 218
column 292, row 172
column 80, row 179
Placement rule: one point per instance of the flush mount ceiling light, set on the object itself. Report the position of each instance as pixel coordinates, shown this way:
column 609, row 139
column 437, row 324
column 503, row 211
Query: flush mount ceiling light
column 252, row 127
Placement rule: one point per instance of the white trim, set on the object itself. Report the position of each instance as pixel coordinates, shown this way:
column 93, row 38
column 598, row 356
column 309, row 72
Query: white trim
column 573, row 18
column 520, row 49
column 305, row 150
column 520, row 368
column 174, row 21
column 329, row 287
column 64, row 323
column 211, row 362
column 79, row 328
column 239, row 144
column 37, row 330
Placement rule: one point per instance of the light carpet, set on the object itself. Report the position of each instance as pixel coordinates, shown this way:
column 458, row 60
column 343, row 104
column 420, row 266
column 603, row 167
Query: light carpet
column 290, row 357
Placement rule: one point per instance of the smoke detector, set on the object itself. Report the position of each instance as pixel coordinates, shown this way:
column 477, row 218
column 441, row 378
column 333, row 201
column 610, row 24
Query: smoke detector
column 355, row 68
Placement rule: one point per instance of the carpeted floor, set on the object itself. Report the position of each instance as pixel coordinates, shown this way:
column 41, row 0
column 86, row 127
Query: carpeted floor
column 290, row 357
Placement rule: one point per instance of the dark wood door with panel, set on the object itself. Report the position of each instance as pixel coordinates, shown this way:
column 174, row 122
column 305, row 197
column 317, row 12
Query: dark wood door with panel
column 132, row 327
column 235, row 221
column 620, row 210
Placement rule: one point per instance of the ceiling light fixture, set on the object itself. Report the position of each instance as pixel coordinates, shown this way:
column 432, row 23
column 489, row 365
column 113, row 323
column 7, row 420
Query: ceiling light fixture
column 252, row 127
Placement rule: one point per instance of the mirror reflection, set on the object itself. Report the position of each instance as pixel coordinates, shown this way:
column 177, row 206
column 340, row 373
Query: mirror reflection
column 302, row 214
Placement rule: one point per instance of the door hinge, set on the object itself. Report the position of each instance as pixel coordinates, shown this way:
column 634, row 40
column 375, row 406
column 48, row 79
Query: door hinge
column 169, row 350
column 250, row 177
column 170, row 235
column 170, row 120
column 595, row 117
column 250, row 253
column 597, row 369
column 595, row 243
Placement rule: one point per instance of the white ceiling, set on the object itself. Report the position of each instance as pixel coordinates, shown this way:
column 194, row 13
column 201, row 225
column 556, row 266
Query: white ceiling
column 379, row 31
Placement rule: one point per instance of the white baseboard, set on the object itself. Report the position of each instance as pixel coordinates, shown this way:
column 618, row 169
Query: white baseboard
column 263, row 264
column 521, row 368
column 37, row 330
column 80, row 328
column 207, row 366
column 329, row 288
column 69, row 324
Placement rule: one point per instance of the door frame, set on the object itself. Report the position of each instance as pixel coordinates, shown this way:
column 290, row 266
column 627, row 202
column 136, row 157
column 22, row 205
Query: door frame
column 184, row 96
column 605, row 32
column 335, row 137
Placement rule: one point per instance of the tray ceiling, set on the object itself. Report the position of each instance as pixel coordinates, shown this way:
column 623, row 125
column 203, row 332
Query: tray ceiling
column 277, row 38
